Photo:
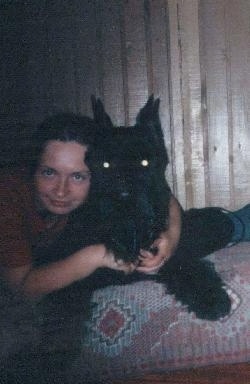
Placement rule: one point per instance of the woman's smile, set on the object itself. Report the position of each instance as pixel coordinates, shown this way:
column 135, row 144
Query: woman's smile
column 62, row 179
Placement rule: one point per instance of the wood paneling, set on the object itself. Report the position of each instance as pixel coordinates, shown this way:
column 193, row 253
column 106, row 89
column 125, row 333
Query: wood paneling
column 193, row 54
column 186, row 29
column 216, row 118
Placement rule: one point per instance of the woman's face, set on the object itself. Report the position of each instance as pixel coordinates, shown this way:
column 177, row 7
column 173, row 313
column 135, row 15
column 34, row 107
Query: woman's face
column 62, row 178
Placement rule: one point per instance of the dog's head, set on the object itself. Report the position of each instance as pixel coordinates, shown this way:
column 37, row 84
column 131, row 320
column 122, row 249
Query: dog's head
column 128, row 171
column 128, row 160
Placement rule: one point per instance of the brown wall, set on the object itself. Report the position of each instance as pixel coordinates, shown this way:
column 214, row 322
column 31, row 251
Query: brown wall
column 194, row 55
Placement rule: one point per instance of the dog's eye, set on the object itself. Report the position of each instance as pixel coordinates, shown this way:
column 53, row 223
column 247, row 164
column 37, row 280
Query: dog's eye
column 106, row 164
column 144, row 163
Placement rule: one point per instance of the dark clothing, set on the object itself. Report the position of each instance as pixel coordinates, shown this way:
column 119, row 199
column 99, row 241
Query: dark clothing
column 205, row 231
column 21, row 225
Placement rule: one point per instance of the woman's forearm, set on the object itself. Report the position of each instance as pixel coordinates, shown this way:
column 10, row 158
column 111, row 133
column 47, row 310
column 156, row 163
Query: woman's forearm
column 57, row 275
column 165, row 244
column 174, row 225
column 35, row 282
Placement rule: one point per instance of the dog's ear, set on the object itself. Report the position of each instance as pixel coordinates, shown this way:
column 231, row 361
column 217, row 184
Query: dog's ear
column 101, row 118
column 148, row 121
column 150, row 112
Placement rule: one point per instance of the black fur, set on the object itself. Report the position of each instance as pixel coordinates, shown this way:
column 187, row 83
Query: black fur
column 128, row 186
column 128, row 208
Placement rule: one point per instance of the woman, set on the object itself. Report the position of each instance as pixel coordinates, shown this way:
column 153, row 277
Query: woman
column 37, row 201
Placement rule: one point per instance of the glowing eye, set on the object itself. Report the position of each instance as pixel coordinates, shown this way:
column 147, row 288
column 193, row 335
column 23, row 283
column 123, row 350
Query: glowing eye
column 144, row 163
column 106, row 164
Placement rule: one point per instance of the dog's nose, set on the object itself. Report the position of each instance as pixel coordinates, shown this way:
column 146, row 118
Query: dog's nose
column 123, row 187
column 125, row 194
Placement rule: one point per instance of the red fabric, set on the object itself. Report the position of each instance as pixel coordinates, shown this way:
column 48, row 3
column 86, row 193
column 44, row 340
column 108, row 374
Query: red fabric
column 20, row 223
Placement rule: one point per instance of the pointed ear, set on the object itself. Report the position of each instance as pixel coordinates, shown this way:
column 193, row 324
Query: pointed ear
column 101, row 118
column 150, row 112
column 148, row 121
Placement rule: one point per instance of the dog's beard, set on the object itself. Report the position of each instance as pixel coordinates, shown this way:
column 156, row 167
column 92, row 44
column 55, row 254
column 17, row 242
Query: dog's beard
column 129, row 224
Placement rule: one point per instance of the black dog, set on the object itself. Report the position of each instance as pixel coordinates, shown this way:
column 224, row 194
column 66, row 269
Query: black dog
column 128, row 185
column 128, row 208
column 131, row 194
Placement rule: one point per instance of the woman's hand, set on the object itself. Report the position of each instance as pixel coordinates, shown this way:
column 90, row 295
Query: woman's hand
column 118, row 265
column 150, row 263
column 165, row 245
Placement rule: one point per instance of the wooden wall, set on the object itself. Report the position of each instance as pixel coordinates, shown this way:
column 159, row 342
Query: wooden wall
column 194, row 55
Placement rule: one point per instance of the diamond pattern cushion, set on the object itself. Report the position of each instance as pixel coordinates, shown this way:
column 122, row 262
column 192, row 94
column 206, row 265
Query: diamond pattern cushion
column 139, row 329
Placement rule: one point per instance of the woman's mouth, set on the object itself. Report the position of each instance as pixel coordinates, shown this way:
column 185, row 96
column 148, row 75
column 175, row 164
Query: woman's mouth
column 59, row 204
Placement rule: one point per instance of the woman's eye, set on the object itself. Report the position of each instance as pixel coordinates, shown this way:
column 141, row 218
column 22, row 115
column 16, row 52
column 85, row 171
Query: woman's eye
column 81, row 176
column 47, row 172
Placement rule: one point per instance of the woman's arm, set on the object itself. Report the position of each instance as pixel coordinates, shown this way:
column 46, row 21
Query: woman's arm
column 35, row 282
column 165, row 244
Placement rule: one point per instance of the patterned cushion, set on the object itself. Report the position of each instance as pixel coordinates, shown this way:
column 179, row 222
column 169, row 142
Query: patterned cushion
column 139, row 328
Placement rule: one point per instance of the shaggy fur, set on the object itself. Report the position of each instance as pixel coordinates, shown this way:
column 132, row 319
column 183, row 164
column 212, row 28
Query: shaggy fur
column 128, row 186
column 128, row 208
column 132, row 206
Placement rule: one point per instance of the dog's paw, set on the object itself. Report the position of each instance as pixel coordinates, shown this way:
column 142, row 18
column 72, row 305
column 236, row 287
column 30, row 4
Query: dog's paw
column 210, row 303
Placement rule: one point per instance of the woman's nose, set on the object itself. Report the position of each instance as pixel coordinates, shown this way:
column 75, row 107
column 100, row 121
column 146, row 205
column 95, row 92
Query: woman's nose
column 61, row 188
